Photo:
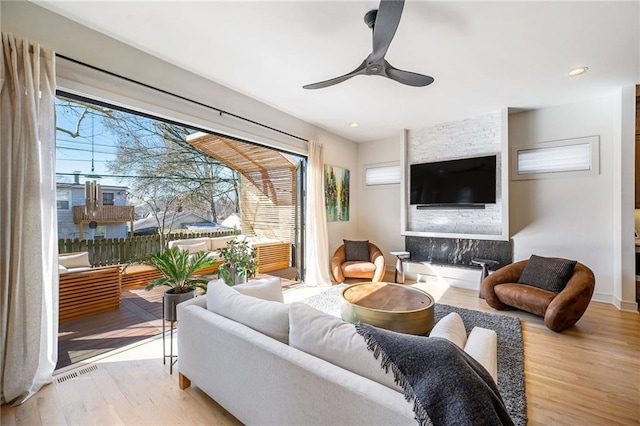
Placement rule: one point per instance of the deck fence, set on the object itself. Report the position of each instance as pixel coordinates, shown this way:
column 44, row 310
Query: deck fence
column 114, row 251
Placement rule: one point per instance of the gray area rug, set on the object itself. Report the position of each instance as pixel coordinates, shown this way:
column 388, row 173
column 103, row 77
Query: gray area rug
column 510, row 348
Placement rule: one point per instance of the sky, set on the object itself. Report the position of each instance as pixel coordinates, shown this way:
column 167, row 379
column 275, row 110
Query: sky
column 75, row 154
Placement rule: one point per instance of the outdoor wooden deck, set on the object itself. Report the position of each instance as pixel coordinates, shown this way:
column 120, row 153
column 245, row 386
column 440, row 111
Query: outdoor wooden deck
column 138, row 317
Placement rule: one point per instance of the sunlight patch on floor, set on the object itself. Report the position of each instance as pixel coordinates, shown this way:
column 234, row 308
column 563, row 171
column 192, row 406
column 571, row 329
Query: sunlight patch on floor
column 150, row 349
column 435, row 289
column 302, row 292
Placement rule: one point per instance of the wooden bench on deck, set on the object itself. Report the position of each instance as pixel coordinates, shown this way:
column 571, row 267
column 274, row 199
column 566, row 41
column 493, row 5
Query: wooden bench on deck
column 89, row 292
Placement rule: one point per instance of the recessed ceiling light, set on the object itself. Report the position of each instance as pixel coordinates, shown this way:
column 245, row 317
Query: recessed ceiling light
column 577, row 71
column 354, row 124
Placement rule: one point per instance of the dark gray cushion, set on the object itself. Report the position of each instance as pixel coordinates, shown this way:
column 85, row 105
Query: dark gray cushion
column 547, row 273
column 357, row 250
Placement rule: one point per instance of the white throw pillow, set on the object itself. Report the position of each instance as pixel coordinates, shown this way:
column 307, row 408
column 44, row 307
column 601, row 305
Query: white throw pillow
column 193, row 248
column 75, row 260
column 451, row 328
column 482, row 345
column 333, row 340
column 221, row 242
column 267, row 317
column 263, row 288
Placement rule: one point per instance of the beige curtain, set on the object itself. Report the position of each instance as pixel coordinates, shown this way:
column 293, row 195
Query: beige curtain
column 28, row 249
column 317, row 245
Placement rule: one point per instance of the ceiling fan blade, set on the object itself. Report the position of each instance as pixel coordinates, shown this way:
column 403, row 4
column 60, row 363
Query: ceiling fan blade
column 385, row 27
column 322, row 84
column 407, row 77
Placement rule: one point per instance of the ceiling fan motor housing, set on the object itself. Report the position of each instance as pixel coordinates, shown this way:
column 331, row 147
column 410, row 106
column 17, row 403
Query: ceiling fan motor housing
column 370, row 18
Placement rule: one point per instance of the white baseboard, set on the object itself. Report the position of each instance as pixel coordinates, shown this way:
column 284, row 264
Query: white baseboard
column 624, row 305
column 603, row 297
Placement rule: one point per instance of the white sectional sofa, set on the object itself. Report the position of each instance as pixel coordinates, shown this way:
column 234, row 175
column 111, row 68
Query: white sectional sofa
column 270, row 363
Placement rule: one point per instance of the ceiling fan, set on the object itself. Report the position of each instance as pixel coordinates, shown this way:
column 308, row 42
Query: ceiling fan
column 384, row 23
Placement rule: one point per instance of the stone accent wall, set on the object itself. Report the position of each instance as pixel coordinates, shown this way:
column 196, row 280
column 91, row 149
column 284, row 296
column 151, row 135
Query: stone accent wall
column 458, row 251
column 472, row 137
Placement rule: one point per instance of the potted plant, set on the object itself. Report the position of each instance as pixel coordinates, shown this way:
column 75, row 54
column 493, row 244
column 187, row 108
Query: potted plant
column 238, row 262
column 178, row 270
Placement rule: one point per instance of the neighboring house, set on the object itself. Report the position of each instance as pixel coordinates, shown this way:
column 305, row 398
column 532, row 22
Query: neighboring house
column 233, row 221
column 175, row 221
column 72, row 195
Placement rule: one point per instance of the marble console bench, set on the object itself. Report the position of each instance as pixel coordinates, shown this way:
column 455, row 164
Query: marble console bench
column 451, row 260
column 452, row 274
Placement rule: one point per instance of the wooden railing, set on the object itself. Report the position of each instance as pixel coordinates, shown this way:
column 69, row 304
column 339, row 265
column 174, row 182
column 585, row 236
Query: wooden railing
column 114, row 251
column 107, row 214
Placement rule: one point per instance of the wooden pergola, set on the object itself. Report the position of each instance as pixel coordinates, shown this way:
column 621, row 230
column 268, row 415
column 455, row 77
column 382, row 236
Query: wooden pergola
column 267, row 184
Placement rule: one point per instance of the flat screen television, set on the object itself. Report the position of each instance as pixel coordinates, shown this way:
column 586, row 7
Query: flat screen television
column 462, row 182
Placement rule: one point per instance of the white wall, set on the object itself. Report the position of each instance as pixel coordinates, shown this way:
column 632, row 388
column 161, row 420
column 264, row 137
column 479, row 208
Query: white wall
column 571, row 217
column 345, row 156
column 379, row 215
column 624, row 288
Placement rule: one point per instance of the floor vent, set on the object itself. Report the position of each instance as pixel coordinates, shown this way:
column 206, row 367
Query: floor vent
column 77, row 373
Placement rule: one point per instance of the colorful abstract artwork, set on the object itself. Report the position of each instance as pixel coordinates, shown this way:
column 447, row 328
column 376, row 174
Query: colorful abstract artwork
column 336, row 193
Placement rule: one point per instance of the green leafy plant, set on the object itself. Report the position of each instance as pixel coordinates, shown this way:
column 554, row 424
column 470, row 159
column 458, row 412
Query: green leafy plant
column 238, row 258
column 178, row 268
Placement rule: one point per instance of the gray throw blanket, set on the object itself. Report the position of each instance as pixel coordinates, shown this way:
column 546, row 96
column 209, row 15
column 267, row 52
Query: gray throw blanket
column 448, row 386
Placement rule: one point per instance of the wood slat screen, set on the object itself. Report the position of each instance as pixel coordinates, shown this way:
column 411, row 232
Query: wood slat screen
column 267, row 184
column 89, row 292
column 262, row 217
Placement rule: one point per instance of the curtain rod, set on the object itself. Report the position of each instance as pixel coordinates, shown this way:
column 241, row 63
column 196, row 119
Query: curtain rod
column 148, row 86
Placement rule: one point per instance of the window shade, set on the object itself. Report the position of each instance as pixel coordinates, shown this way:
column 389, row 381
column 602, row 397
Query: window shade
column 385, row 175
column 546, row 159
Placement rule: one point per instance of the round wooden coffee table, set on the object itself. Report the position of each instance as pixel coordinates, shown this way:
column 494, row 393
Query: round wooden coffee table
column 392, row 306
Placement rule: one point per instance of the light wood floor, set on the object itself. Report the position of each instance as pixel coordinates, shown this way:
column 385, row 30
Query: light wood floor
column 588, row 375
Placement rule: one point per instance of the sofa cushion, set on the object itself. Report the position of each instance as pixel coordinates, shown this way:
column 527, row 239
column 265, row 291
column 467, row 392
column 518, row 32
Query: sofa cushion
column 335, row 341
column 451, row 328
column 547, row 273
column 216, row 243
column 526, row 297
column 188, row 241
column 356, row 250
column 267, row 317
column 263, row 288
column 75, row 260
column 194, row 248
column 482, row 345
column 352, row 269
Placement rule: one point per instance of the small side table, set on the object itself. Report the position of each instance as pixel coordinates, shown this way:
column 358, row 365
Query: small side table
column 484, row 264
column 401, row 255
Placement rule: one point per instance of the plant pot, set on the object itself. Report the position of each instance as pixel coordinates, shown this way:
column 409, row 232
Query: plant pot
column 237, row 278
column 171, row 299
column 231, row 276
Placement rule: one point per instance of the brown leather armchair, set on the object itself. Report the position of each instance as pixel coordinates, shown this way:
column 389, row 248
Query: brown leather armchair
column 560, row 310
column 373, row 270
